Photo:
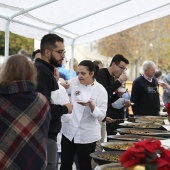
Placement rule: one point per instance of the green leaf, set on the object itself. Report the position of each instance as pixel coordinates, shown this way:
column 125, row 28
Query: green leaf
column 150, row 156
column 152, row 166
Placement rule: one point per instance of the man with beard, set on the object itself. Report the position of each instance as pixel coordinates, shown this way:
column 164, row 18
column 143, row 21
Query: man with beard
column 112, row 78
column 52, row 54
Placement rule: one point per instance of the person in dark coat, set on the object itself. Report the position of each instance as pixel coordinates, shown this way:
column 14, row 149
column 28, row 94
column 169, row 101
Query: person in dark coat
column 52, row 55
column 112, row 78
column 145, row 94
column 24, row 117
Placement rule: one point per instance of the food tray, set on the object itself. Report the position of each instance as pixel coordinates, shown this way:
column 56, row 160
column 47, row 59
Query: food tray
column 134, row 138
column 106, row 157
column 117, row 145
column 145, row 132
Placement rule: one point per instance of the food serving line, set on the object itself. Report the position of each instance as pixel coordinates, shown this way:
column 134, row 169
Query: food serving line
column 141, row 128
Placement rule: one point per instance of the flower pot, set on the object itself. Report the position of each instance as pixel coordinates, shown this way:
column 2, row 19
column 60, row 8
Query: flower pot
column 137, row 167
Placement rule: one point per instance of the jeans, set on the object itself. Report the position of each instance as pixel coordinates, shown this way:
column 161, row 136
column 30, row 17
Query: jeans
column 51, row 154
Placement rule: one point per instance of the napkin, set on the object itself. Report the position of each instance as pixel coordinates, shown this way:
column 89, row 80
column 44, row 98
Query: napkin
column 167, row 127
column 165, row 143
column 166, row 122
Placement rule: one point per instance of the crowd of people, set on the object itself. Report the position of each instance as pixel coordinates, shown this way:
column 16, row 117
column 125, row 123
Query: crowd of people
column 43, row 118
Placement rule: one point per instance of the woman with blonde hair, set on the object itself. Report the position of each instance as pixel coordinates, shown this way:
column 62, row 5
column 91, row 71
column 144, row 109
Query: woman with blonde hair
column 24, row 117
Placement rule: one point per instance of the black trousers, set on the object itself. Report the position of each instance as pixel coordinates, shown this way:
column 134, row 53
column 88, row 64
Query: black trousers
column 114, row 114
column 69, row 149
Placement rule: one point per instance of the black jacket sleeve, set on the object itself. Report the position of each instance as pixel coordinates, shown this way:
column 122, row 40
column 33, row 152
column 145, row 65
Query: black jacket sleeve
column 46, row 84
column 58, row 110
column 109, row 86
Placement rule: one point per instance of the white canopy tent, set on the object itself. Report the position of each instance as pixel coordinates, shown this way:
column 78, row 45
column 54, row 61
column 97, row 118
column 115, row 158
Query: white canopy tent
column 77, row 21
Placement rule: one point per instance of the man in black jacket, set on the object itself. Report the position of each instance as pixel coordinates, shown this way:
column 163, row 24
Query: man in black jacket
column 112, row 78
column 52, row 55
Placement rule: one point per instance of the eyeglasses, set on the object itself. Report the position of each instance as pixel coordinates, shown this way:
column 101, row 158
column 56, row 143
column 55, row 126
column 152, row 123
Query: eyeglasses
column 123, row 68
column 61, row 52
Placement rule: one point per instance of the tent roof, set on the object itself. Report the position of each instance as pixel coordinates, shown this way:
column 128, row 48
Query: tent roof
column 78, row 20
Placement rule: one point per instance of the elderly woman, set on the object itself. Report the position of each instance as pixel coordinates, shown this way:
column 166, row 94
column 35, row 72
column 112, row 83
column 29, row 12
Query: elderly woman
column 80, row 133
column 24, row 117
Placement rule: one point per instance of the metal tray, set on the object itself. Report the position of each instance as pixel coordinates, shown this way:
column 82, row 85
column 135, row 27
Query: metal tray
column 104, row 157
column 154, row 119
column 117, row 145
column 134, row 138
column 111, row 165
column 145, row 132
column 143, row 125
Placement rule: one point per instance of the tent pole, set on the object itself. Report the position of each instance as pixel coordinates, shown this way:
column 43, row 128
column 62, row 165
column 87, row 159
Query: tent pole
column 21, row 12
column 72, row 58
column 7, row 40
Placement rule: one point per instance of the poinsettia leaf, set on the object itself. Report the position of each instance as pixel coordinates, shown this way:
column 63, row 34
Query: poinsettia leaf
column 162, row 163
column 129, row 154
column 168, row 108
column 152, row 166
column 139, row 155
column 165, row 154
column 150, row 156
column 148, row 152
column 129, row 163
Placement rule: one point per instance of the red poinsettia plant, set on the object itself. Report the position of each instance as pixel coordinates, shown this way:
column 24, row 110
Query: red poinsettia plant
column 168, row 108
column 149, row 153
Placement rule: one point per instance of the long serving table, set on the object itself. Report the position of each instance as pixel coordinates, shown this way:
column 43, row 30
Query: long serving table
column 164, row 138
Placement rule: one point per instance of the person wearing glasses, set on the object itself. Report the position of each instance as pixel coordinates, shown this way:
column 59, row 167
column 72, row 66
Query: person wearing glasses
column 145, row 92
column 52, row 55
column 112, row 78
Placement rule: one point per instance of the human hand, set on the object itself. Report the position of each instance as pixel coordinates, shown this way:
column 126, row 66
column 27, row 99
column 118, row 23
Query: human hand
column 123, row 77
column 127, row 103
column 69, row 107
column 65, row 84
column 87, row 103
column 164, row 85
column 120, row 94
column 109, row 120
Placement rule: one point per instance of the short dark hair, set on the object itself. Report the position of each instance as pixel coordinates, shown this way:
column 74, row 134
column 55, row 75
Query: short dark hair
column 90, row 66
column 34, row 53
column 22, row 52
column 118, row 58
column 97, row 62
column 48, row 42
column 158, row 73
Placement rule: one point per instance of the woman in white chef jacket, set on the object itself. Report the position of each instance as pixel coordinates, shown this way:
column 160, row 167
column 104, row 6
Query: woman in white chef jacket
column 80, row 133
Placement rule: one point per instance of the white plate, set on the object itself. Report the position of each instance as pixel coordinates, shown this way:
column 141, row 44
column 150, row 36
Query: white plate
column 81, row 101
column 121, row 89
column 163, row 113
